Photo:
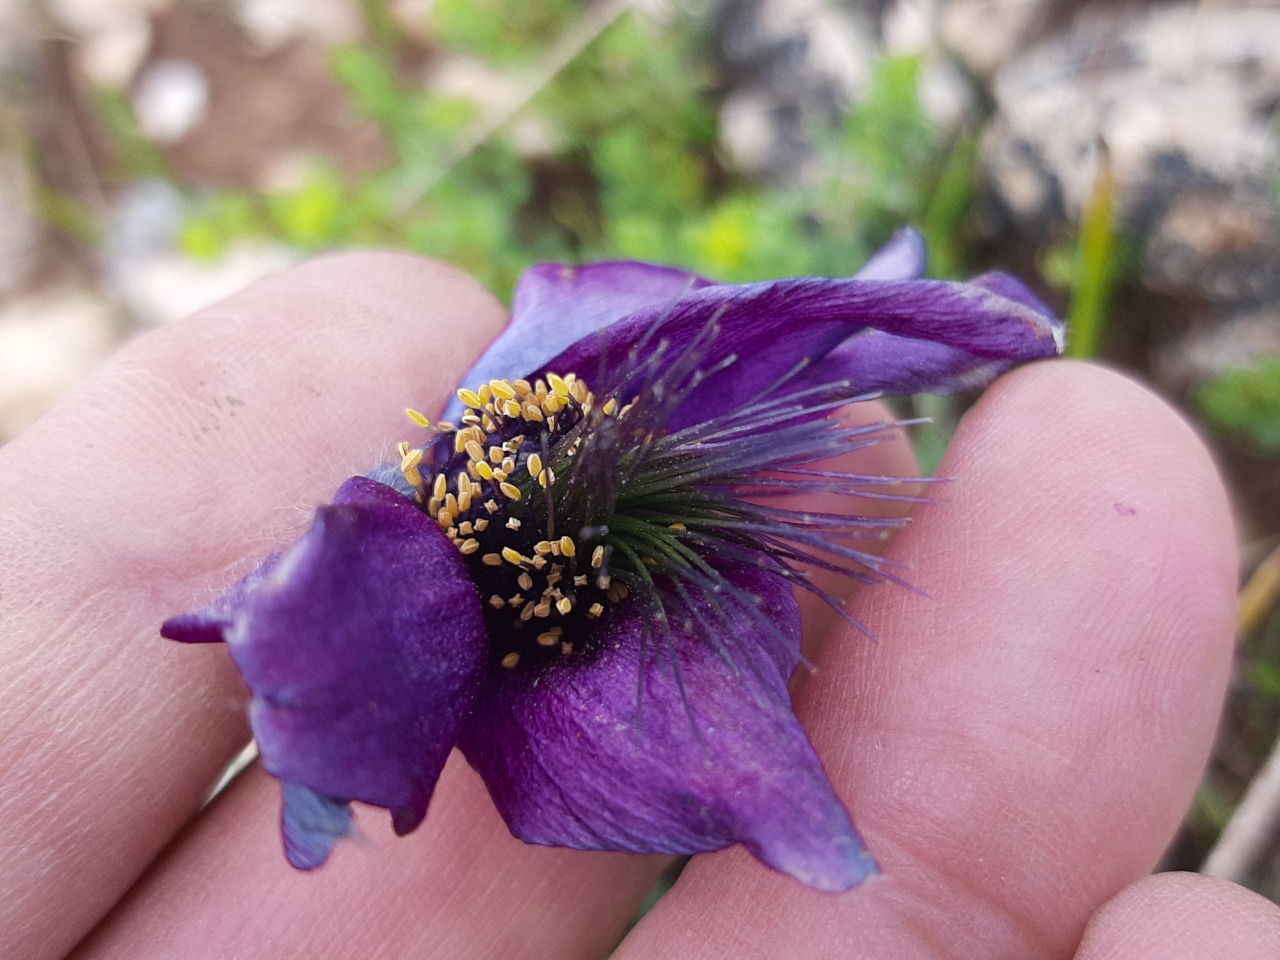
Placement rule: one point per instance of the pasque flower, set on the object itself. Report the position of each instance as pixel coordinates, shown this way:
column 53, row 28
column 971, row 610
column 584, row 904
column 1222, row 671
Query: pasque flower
column 585, row 579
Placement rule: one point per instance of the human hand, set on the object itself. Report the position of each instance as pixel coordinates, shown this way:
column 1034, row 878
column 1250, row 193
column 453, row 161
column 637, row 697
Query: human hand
column 1016, row 750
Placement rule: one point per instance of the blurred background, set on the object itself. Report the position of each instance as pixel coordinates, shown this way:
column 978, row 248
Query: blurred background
column 1123, row 156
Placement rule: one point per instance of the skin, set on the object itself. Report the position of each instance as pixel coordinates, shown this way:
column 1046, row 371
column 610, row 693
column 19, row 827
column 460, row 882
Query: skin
column 1018, row 748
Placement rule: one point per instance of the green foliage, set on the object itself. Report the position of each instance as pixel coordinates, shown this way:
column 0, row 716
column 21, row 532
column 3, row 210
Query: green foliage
column 633, row 169
column 501, row 31
column 1245, row 402
column 135, row 155
column 1095, row 270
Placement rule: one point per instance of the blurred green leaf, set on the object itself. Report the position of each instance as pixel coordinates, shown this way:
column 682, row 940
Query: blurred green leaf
column 1096, row 267
column 1245, row 402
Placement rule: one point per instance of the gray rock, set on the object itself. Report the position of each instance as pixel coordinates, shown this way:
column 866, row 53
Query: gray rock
column 791, row 67
column 1184, row 97
column 987, row 34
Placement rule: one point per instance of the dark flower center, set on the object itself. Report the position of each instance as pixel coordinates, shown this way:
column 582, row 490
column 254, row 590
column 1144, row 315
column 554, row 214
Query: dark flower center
column 542, row 582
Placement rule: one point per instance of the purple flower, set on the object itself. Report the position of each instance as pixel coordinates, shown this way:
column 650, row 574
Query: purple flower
column 585, row 582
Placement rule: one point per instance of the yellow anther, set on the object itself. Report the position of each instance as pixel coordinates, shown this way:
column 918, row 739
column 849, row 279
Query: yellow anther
column 564, row 605
column 546, row 478
column 488, row 424
column 492, row 559
column 597, row 557
column 538, row 561
column 580, row 580
column 496, row 454
column 511, row 660
column 440, row 487
column 511, row 409
column 512, row 555
column 525, row 581
column 465, row 528
column 530, row 412
column 460, row 441
column 474, row 450
column 595, row 610
column 413, row 477
column 534, row 463
column 527, row 612
column 444, row 426
column 542, row 608
column 503, row 389
column 451, row 504
column 485, row 392
column 483, row 469
column 470, row 398
column 677, row 526
column 610, row 406
column 464, row 502
column 547, row 639
column 433, row 506
column 416, row 417
column 508, row 466
column 469, row 546
column 568, row 547
column 542, row 546
column 491, row 506
column 557, row 384
column 516, row 602
column 497, row 602
column 444, row 517
column 403, row 448
column 511, row 490
column 481, row 525
column 513, row 523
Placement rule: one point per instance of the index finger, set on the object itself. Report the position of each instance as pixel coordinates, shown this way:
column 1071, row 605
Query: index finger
column 140, row 496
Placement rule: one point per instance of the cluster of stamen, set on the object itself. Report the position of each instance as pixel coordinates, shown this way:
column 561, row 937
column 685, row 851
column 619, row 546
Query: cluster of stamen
column 494, row 498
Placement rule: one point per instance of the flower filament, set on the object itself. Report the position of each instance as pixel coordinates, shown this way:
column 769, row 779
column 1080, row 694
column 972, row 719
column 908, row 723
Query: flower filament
column 562, row 505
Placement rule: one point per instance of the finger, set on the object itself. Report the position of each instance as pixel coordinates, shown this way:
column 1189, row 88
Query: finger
column 1022, row 745
column 1183, row 916
column 461, row 883
column 165, row 477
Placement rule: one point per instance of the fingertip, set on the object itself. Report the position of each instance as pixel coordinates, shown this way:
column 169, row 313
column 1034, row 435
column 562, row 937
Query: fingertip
column 1183, row 915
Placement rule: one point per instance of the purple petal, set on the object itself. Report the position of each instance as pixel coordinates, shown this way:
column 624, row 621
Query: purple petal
column 363, row 648
column 210, row 624
column 578, row 758
column 311, row 825
column 904, row 257
column 770, row 328
column 557, row 304
column 880, row 362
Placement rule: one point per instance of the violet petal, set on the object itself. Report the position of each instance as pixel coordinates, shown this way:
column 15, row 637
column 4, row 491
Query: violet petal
column 557, row 304
column 879, row 362
column 210, row 624
column 769, row 328
column 572, row 757
column 363, row 648
column 311, row 824
column 904, row 257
